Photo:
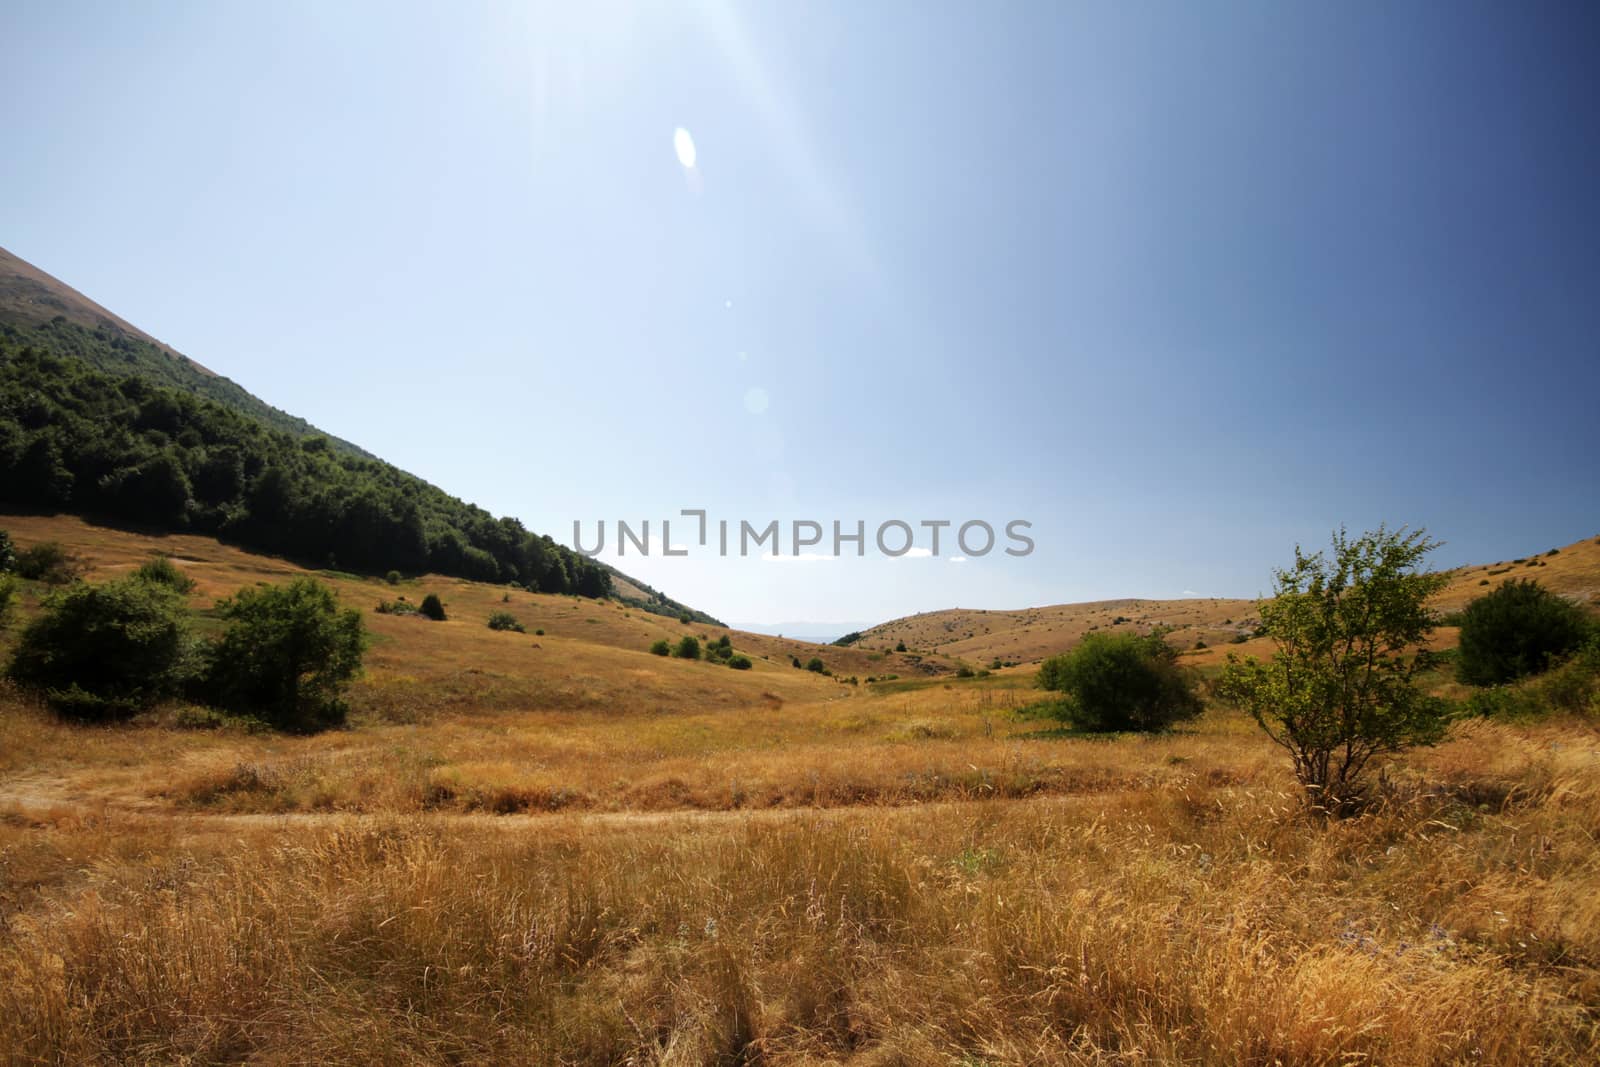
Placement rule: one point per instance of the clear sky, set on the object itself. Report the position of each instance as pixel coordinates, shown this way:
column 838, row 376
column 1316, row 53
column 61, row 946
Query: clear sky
column 1181, row 284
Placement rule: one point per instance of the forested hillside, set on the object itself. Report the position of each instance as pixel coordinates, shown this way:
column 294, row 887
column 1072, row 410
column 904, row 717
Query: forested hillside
column 75, row 439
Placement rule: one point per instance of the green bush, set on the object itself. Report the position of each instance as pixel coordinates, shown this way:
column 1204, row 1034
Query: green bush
column 816, row 665
column 162, row 571
column 966, row 672
column 50, row 563
column 661, row 648
column 900, row 646
column 538, row 633
column 1572, row 687
column 396, row 607
column 433, row 607
column 688, row 648
column 740, row 663
column 106, row 651
column 393, row 577
column 8, row 554
column 287, row 655
column 504, row 620
column 8, row 600
column 1519, row 629
column 1121, row 682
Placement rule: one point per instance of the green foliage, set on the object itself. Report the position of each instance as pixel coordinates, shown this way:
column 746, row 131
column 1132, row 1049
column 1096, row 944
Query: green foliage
column 8, row 553
column 661, row 648
column 8, row 600
column 1572, row 687
column 688, row 648
column 396, row 607
column 287, row 655
column 816, row 665
column 162, row 571
column 1343, row 686
column 1518, row 629
column 966, row 672
column 432, row 607
column 393, row 577
column 51, row 563
column 1121, row 682
column 504, row 620
column 125, row 448
column 106, row 651
column 740, row 663
column 848, row 639
column 900, row 646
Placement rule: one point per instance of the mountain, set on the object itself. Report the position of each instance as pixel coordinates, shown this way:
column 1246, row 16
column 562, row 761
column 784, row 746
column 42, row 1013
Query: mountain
column 99, row 418
column 821, row 633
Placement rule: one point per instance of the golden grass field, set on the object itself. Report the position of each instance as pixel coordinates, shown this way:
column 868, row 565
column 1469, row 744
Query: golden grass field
column 559, row 849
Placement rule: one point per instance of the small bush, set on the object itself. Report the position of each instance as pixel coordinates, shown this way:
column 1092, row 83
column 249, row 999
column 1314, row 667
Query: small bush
column 1519, row 629
column 815, row 665
column 393, row 577
column 51, row 563
column 433, row 607
column 900, row 646
column 162, row 571
column 8, row 600
column 8, row 554
column 106, row 651
column 661, row 648
column 396, row 607
column 1121, row 682
column 287, row 655
column 538, row 633
column 688, row 648
column 504, row 620
column 740, row 663
column 966, row 672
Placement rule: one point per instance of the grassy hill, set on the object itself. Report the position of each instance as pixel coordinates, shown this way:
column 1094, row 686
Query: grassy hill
column 1029, row 635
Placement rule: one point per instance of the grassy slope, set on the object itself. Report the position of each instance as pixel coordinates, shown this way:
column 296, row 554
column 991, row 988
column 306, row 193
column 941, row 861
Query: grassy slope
column 705, row 865
column 1032, row 634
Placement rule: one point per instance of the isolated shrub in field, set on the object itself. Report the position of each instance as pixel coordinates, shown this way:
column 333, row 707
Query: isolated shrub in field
column 966, row 672
column 287, row 655
column 688, row 648
column 1121, row 682
column 8, row 554
column 661, row 648
column 504, row 620
column 393, row 577
column 49, row 562
column 106, row 651
column 396, row 607
column 1342, row 687
column 816, row 665
column 900, row 646
column 1516, row 630
column 162, row 571
column 740, row 663
column 433, row 607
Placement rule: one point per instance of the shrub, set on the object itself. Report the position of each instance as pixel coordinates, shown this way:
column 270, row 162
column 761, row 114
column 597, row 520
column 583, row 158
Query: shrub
column 1121, row 682
column 966, row 672
column 162, row 571
column 1342, row 687
column 538, row 633
column 8, row 553
column 900, row 646
column 504, row 620
column 688, row 648
column 106, row 651
column 1517, row 630
column 8, row 600
column 740, row 663
column 816, row 665
column 395, row 607
column 661, row 648
column 433, row 607
column 287, row 655
column 49, row 562
column 393, row 577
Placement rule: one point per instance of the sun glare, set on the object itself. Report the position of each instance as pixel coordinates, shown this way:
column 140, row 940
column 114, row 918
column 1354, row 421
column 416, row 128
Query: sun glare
column 683, row 145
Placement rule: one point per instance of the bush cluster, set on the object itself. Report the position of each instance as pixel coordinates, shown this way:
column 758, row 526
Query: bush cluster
column 1121, row 682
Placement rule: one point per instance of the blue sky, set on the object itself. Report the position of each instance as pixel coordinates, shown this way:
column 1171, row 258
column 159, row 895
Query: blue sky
column 1179, row 284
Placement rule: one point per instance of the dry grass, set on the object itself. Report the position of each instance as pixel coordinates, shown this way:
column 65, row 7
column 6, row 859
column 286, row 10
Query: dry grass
column 579, row 853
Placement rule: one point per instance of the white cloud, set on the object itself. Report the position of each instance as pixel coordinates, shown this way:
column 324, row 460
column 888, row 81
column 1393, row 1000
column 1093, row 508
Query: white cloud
column 958, row 559
column 914, row 552
column 804, row 557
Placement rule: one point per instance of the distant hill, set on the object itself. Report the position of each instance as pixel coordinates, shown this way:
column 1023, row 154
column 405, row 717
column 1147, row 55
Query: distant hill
column 1207, row 626
column 99, row 418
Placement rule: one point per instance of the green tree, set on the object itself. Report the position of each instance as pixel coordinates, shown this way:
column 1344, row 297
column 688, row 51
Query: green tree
column 433, row 607
column 661, row 648
column 1121, row 681
column 1342, row 688
column 688, row 648
column 1516, row 630
column 106, row 651
column 287, row 655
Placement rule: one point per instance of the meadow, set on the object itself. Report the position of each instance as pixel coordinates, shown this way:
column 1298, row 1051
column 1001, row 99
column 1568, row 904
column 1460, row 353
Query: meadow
column 556, row 848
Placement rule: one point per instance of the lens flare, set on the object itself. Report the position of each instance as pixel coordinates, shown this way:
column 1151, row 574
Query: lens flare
column 683, row 145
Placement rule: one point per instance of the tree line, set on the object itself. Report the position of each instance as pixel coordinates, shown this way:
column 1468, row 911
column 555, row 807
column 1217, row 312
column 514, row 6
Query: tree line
column 75, row 439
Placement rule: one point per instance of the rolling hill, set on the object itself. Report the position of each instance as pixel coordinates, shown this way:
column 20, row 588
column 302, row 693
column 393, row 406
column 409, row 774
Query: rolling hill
column 1203, row 626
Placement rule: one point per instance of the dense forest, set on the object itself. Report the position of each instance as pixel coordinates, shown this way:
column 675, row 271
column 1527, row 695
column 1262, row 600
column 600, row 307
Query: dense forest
column 75, row 439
